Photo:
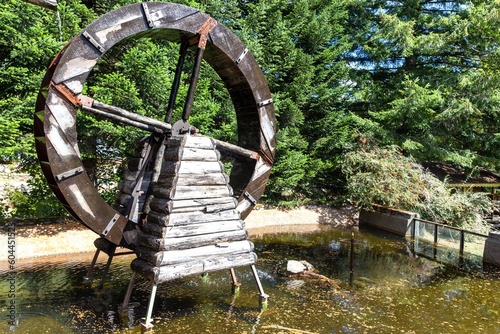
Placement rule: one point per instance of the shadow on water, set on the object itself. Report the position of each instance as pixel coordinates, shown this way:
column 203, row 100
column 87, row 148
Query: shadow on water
column 392, row 290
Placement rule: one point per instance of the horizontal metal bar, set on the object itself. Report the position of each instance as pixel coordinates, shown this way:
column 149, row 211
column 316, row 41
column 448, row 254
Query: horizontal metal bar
column 131, row 115
column 450, row 227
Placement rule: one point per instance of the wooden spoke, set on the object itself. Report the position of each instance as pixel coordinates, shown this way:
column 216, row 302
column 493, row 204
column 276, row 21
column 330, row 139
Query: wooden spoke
column 236, row 151
column 123, row 116
column 192, row 84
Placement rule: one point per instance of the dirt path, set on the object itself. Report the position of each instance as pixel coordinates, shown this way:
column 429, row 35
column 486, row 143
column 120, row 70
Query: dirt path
column 71, row 237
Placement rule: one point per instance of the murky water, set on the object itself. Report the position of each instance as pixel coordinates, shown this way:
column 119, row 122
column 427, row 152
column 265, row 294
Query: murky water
column 391, row 291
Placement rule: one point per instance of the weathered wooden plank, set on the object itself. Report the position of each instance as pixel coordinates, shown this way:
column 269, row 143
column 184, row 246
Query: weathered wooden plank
column 210, row 205
column 191, row 154
column 180, row 270
column 191, row 167
column 154, row 238
column 163, row 258
column 122, row 198
column 188, row 141
column 104, row 245
column 167, row 273
column 236, row 151
column 244, row 206
column 202, row 229
column 187, row 203
column 128, row 186
column 187, row 218
column 135, row 163
column 193, row 180
column 130, row 175
column 192, row 192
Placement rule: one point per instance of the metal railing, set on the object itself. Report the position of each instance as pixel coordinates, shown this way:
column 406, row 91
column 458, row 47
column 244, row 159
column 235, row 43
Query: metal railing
column 446, row 243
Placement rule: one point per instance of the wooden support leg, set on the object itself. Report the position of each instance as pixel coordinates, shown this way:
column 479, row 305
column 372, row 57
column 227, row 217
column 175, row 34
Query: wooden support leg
column 108, row 264
column 129, row 292
column 88, row 277
column 235, row 284
column 146, row 326
column 262, row 296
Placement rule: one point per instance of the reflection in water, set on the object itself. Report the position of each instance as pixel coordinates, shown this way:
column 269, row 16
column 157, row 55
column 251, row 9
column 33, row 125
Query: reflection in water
column 392, row 290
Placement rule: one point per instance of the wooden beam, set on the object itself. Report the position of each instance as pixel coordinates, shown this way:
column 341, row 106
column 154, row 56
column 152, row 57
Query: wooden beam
column 236, row 151
column 154, row 238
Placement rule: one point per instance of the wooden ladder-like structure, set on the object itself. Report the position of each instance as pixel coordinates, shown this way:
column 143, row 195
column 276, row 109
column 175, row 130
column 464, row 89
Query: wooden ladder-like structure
column 193, row 225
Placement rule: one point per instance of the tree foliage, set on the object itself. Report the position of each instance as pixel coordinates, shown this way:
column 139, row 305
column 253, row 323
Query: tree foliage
column 422, row 75
column 386, row 177
column 426, row 76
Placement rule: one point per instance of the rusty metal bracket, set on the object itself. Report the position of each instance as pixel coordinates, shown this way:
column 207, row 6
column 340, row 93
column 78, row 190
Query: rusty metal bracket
column 147, row 15
column 204, row 30
column 64, row 91
column 266, row 158
column 94, row 43
column 76, row 100
column 84, row 100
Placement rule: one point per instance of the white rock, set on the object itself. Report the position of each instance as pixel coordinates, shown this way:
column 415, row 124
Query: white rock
column 295, row 267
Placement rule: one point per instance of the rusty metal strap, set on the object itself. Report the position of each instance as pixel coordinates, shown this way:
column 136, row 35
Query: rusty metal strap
column 204, row 30
column 74, row 99
column 266, row 158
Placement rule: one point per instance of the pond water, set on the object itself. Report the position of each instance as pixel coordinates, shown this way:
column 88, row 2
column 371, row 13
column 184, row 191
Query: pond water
column 390, row 290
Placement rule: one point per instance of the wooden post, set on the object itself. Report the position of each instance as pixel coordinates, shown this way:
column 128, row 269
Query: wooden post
column 146, row 326
column 49, row 4
column 108, row 264
column 262, row 295
column 88, row 277
column 235, row 284
column 126, row 300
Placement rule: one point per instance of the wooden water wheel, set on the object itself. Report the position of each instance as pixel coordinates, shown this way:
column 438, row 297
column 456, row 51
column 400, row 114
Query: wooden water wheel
column 60, row 98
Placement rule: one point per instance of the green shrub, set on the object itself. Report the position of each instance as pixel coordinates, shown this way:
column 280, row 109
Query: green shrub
column 386, row 177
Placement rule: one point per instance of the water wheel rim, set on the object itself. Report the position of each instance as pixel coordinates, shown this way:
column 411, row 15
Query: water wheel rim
column 55, row 116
